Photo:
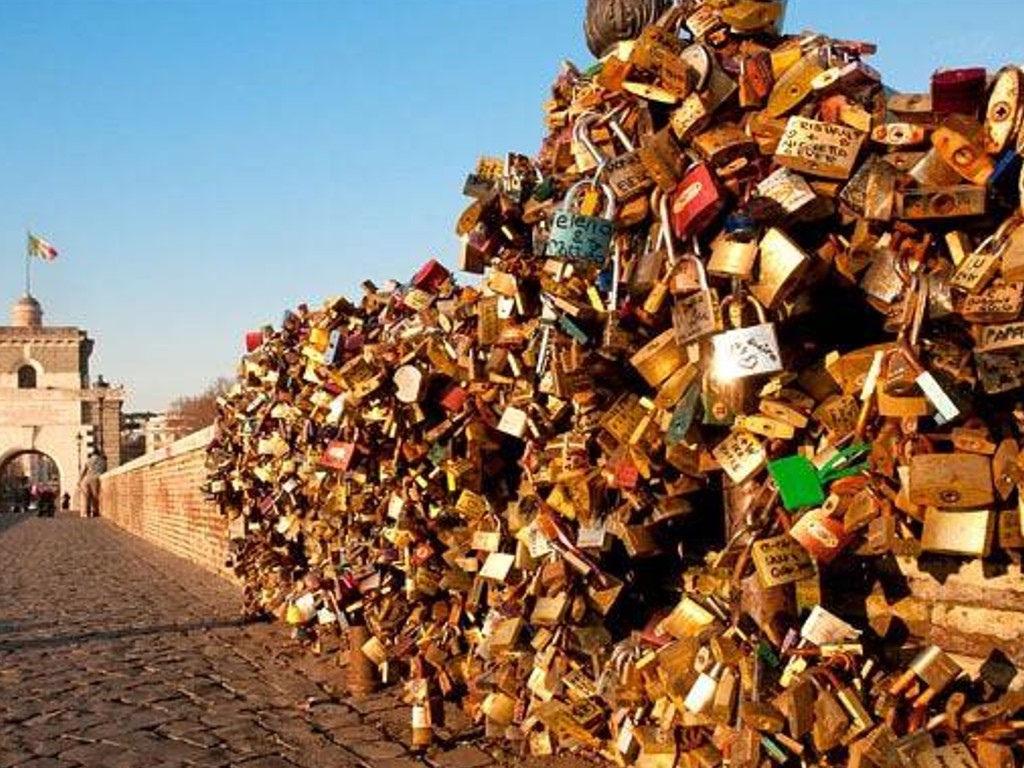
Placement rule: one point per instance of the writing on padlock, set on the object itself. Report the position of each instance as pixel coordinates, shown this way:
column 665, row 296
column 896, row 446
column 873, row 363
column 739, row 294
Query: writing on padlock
column 576, row 237
column 698, row 315
column 743, row 352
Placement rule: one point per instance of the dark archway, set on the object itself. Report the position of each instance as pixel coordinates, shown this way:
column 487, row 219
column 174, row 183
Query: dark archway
column 26, row 377
column 23, row 472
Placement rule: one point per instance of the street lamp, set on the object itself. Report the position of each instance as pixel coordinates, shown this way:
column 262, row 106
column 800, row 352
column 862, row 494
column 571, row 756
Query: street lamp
column 101, row 385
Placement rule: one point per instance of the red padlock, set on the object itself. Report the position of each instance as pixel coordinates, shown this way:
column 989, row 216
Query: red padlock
column 454, row 398
column 431, row 277
column 960, row 91
column 338, row 455
column 696, row 203
column 253, row 341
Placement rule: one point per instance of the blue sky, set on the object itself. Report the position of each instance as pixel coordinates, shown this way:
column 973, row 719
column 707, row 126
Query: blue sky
column 205, row 164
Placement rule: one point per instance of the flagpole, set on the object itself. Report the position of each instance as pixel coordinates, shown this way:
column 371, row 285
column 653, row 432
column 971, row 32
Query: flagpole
column 28, row 267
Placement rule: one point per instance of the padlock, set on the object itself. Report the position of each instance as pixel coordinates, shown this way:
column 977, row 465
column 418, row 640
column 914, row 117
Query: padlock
column 659, row 291
column 741, row 455
column 1010, row 247
column 1003, row 115
column 794, row 85
column 663, row 159
column 896, row 393
column 253, row 340
column 732, row 258
column 743, row 352
column 958, row 91
column 959, row 246
column 781, row 560
column 724, row 144
column 791, row 191
column 960, row 141
column 648, row 266
column 696, row 202
column 579, row 238
column 998, row 303
column 831, row 722
column 899, row 135
column 818, row 148
column 934, row 667
column 781, row 265
column 960, row 532
column 801, row 483
column 660, row 358
column 747, row 16
column 951, row 480
column 698, row 315
column 756, row 79
column 701, row 695
column 689, row 117
column 626, row 174
column 941, row 202
column 821, row 535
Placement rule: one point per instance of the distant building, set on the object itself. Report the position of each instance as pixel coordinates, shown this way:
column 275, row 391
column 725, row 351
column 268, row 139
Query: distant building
column 51, row 414
column 146, row 431
column 163, row 429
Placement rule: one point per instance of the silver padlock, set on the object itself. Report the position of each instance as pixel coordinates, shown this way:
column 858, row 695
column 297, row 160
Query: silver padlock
column 740, row 353
column 697, row 315
column 575, row 237
column 625, row 173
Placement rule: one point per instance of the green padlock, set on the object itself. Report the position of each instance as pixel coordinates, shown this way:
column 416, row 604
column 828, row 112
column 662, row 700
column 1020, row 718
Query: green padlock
column 797, row 481
column 801, row 484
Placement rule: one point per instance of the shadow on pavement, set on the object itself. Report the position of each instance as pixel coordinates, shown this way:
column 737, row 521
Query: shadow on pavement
column 7, row 627
column 56, row 641
column 11, row 519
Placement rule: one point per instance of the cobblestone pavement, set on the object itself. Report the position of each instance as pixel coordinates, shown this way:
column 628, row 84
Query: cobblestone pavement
column 114, row 653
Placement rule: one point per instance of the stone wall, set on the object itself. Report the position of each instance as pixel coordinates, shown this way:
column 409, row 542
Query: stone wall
column 968, row 607
column 157, row 497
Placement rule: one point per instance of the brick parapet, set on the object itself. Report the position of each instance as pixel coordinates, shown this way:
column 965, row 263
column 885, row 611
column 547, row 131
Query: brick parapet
column 157, row 497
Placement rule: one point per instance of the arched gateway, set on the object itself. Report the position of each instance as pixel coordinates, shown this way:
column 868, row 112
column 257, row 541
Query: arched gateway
column 48, row 406
column 24, row 476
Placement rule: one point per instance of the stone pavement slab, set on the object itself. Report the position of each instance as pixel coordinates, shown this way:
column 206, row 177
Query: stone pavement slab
column 114, row 653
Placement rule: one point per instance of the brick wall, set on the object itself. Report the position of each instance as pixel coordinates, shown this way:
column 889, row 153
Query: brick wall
column 157, row 497
column 969, row 607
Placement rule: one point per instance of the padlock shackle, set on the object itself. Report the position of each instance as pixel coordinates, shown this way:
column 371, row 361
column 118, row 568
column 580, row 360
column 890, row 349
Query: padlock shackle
column 997, row 241
column 620, row 132
column 702, row 273
column 727, row 302
column 613, row 295
column 609, row 196
column 659, row 202
column 581, row 134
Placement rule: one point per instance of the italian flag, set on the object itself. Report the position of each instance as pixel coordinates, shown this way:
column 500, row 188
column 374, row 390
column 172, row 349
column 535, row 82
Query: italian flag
column 40, row 248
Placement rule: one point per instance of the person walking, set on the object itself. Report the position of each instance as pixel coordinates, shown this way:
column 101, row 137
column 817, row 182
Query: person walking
column 95, row 466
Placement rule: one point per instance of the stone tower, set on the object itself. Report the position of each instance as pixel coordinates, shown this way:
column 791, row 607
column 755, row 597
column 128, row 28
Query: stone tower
column 48, row 405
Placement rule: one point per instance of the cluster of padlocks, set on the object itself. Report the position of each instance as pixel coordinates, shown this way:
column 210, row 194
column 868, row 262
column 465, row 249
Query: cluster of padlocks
column 748, row 323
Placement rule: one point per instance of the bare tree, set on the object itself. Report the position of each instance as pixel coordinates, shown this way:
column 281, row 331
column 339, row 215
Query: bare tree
column 198, row 411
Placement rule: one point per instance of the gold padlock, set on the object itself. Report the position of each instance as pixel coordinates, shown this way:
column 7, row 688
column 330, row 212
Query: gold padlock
column 732, row 258
column 782, row 263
